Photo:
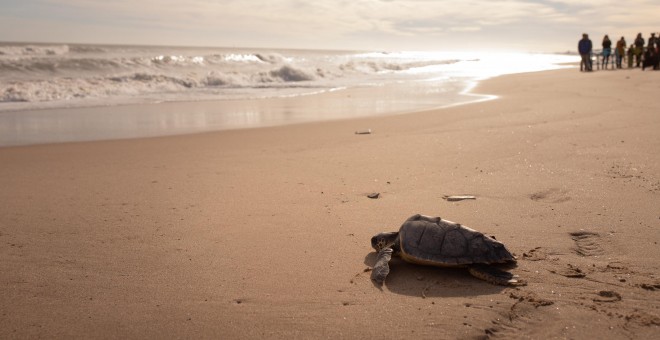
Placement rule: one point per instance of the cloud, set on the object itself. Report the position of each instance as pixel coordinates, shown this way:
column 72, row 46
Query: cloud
column 465, row 29
column 332, row 15
column 331, row 23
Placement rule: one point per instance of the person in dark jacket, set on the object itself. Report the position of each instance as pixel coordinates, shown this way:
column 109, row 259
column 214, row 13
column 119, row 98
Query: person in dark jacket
column 607, row 51
column 651, row 56
column 584, row 48
column 639, row 49
column 651, row 59
column 652, row 41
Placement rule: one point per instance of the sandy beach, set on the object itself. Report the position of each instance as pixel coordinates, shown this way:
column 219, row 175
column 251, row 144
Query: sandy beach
column 264, row 233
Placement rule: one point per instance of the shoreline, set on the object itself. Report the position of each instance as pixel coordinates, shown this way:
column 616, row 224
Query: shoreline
column 170, row 118
column 264, row 233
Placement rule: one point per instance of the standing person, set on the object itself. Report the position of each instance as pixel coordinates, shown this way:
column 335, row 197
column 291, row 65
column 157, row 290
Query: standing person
column 652, row 41
column 584, row 48
column 631, row 54
column 651, row 57
column 607, row 51
column 639, row 49
column 620, row 51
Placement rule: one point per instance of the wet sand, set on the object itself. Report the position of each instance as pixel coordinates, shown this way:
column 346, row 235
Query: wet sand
column 108, row 122
column 264, row 233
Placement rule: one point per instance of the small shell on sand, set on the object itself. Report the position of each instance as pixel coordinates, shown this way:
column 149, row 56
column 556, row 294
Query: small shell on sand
column 455, row 198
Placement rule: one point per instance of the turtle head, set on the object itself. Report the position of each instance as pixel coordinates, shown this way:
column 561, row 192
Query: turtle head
column 383, row 240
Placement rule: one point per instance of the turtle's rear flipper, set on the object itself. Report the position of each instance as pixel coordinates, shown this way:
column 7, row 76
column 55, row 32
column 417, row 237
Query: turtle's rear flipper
column 382, row 267
column 494, row 275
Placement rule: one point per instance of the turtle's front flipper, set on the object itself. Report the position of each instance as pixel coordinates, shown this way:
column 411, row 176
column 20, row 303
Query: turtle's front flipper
column 382, row 267
column 494, row 275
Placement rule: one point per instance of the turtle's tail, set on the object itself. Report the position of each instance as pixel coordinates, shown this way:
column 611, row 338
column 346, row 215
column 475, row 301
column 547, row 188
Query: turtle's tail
column 494, row 275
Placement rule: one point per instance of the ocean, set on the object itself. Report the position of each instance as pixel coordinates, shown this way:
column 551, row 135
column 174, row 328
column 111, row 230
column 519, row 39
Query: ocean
column 70, row 92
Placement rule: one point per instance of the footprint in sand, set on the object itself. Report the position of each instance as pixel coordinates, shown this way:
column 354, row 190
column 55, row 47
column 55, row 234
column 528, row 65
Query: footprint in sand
column 569, row 271
column 520, row 315
column 531, row 298
column 358, row 275
column 552, row 195
column 536, row 254
column 588, row 243
column 649, row 286
column 608, row 296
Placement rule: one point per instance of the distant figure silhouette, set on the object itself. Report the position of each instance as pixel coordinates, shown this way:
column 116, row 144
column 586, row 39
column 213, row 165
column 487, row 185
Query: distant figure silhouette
column 639, row 49
column 607, row 51
column 620, row 51
column 631, row 55
column 584, row 48
column 652, row 41
column 651, row 58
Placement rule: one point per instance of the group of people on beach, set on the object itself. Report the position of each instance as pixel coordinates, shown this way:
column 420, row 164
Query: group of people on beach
column 644, row 56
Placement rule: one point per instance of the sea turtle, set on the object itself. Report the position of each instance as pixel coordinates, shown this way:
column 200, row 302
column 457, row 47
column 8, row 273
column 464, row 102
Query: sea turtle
column 437, row 242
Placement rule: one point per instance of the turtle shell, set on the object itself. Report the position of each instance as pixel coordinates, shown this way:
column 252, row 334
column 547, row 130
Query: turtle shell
column 437, row 242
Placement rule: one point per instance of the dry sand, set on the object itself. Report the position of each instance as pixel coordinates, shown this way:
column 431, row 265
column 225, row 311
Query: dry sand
column 264, row 233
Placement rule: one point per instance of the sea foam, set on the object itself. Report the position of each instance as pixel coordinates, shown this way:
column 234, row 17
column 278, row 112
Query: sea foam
column 42, row 75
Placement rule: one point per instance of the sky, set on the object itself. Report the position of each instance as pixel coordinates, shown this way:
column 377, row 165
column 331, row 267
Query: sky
column 376, row 25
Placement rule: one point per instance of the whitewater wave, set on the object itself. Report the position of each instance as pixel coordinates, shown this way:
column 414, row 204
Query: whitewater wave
column 40, row 73
column 142, row 83
column 33, row 50
column 31, row 73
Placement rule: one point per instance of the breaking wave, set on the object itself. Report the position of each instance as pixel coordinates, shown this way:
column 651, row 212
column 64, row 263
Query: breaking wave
column 33, row 50
column 40, row 73
column 140, row 83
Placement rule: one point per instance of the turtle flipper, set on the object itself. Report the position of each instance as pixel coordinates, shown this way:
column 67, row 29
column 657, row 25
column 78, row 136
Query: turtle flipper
column 382, row 267
column 494, row 275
